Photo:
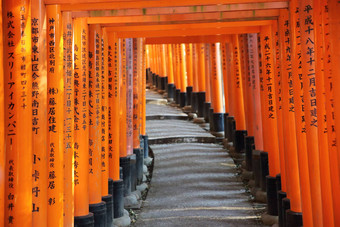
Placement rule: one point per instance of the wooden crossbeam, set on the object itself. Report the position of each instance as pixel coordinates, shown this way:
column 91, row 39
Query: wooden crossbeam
column 181, row 10
column 188, row 39
column 187, row 32
column 87, row 5
column 185, row 18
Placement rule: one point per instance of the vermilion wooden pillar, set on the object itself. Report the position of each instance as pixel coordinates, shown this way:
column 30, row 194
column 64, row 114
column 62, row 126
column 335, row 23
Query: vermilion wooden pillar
column 2, row 129
column 183, row 75
column 207, row 73
column 269, row 115
column 195, row 54
column 201, row 99
column 299, row 118
column 288, row 116
column 255, row 83
column 171, row 82
column 18, row 113
column 308, row 49
column 189, row 67
column 323, row 151
column 68, row 120
column 330, row 114
column 81, row 120
column 39, row 120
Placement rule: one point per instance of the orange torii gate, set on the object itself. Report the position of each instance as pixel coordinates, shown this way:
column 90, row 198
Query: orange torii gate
column 87, row 113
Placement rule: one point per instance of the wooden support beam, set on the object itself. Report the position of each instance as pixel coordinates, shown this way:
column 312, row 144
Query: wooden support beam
column 79, row 5
column 191, row 32
column 181, row 10
column 213, row 26
column 188, row 39
column 191, row 17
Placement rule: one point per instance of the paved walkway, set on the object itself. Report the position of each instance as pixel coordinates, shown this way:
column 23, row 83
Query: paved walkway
column 194, row 181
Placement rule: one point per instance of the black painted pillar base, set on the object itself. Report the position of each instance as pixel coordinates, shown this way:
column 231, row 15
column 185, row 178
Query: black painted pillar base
column 189, row 93
column 230, row 128
column 249, row 143
column 133, row 170
column 225, row 122
column 240, row 140
column 218, row 122
column 157, row 81
column 118, row 198
column 162, row 83
column 178, row 98
column 285, row 208
column 171, row 91
column 294, row 219
column 183, row 99
column 282, row 213
column 264, row 170
column 84, row 221
column 110, row 185
column 271, row 195
column 108, row 199
column 194, row 102
column 125, row 164
column 206, row 111
column 256, row 167
column 166, row 84
column 146, row 145
column 139, row 164
column 200, row 104
column 211, row 124
column 153, row 76
column 99, row 213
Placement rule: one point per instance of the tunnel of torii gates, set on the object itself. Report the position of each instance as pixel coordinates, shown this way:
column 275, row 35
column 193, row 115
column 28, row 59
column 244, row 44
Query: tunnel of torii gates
column 265, row 73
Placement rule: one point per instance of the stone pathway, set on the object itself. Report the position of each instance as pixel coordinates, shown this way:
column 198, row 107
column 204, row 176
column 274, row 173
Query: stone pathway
column 194, row 181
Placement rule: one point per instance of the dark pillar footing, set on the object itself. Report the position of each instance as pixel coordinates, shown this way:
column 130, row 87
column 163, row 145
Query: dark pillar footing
column 194, row 102
column 230, row 128
column 240, row 140
column 282, row 213
column 171, row 91
column 84, row 221
column 218, row 122
column 271, row 195
column 200, row 104
column 211, row 121
column 125, row 164
column 294, row 219
column 285, row 208
column 166, row 84
column 249, row 142
column 256, row 167
column 264, row 169
column 189, row 95
column 178, row 98
column 183, row 99
column 206, row 111
column 118, row 198
column 133, row 169
column 225, row 124
column 108, row 199
column 99, row 213
column 146, row 146
column 139, row 164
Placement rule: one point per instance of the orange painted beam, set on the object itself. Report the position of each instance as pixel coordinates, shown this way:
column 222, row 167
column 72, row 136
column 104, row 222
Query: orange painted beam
column 182, row 9
column 188, row 39
column 191, row 32
column 79, row 5
column 216, row 25
column 213, row 16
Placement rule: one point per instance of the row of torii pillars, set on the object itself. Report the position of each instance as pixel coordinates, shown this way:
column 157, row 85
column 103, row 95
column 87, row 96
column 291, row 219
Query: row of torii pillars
column 62, row 146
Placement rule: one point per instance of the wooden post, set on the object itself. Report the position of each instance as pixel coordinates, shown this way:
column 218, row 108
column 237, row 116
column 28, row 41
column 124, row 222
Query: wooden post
column 288, row 116
column 18, row 113
column 39, row 120
column 300, row 114
column 68, row 121
column 255, row 84
column 81, row 120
